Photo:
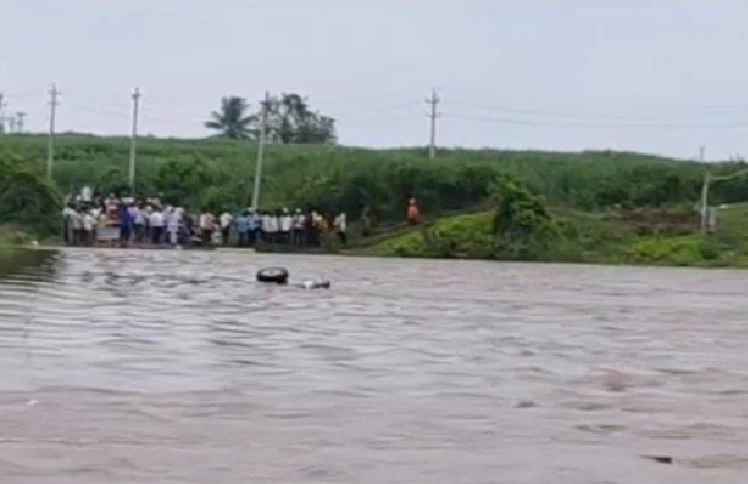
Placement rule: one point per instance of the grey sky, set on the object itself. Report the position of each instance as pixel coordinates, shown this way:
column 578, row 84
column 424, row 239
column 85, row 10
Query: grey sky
column 651, row 76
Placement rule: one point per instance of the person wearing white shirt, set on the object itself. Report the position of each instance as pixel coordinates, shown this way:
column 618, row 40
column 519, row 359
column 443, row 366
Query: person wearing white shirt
column 157, row 225
column 268, row 227
column 67, row 214
column 175, row 218
column 226, row 219
column 168, row 215
column 89, row 224
column 138, row 221
column 340, row 227
column 275, row 225
column 286, row 222
column 77, row 222
column 298, row 227
column 206, row 228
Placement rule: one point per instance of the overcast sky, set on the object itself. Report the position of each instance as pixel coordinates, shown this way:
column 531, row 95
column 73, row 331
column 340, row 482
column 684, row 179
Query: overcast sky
column 651, row 76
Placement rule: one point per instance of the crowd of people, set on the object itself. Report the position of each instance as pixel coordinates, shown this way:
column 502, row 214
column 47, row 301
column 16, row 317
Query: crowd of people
column 111, row 221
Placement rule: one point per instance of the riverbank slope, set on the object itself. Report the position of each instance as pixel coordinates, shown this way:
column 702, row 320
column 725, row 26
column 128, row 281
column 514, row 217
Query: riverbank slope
column 597, row 238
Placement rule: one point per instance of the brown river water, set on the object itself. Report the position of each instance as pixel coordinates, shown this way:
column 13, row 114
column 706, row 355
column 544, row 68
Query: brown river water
column 176, row 367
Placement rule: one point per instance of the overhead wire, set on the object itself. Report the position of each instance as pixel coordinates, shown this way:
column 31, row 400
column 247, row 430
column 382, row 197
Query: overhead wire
column 403, row 106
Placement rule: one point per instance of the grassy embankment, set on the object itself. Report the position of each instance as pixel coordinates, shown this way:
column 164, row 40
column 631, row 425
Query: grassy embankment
column 599, row 238
column 580, row 190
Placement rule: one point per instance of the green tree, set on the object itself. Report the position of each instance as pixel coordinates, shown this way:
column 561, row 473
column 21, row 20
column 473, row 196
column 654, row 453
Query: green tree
column 290, row 121
column 524, row 227
column 26, row 197
column 180, row 181
column 232, row 120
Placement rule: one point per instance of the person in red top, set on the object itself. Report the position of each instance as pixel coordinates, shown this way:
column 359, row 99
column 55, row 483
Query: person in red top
column 413, row 214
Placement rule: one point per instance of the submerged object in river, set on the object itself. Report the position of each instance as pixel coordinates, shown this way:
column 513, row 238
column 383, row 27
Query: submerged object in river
column 279, row 275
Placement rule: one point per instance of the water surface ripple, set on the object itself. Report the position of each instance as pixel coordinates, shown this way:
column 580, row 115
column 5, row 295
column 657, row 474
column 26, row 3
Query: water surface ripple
column 175, row 367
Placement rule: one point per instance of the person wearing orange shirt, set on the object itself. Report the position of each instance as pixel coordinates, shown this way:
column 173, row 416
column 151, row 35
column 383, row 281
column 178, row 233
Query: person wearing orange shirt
column 413, row 214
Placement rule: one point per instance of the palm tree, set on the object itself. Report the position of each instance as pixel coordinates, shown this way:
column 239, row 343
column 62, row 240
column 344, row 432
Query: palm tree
column 232, row 120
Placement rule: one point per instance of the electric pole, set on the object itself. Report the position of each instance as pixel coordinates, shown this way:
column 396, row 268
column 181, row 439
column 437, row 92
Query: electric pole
column 434, row 102
column 2, row 113
column 11, row 124
column 133, row 137
column 20, row 115
column 260, row 149
column 53, row 103
column 704, row 193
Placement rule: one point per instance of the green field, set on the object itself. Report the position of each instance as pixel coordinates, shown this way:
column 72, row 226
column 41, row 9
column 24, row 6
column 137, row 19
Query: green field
column 582, row 193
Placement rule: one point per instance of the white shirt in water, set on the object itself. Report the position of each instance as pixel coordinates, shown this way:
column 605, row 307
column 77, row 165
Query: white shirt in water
column 226, row 219
column 285, row 223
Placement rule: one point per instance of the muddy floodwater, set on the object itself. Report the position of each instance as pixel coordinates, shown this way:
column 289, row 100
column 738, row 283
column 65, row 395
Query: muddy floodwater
column 176, row 367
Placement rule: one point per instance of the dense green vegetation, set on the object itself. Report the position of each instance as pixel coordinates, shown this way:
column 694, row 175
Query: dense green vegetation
column 26, row 198
column 218, row 173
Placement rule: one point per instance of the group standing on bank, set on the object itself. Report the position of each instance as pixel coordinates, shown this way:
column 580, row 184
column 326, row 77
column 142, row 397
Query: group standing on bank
column 110, row 221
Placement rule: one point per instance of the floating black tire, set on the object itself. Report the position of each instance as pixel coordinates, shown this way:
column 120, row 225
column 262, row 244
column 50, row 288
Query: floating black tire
column 276, row 275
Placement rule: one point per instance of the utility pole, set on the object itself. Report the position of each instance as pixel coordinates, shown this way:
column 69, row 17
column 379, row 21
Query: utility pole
column 53, row 103
column 704, row 193
column 2, row 113
column 434, row 102
column 11, row 124
column 133, row 137
column 20, row 115
column 260, row 149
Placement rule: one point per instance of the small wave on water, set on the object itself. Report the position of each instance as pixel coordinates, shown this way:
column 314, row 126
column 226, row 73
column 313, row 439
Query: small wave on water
column 175, row 366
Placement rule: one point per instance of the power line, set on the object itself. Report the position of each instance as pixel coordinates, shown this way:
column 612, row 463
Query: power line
column 592, row 125
column 668, row 111
column 433, row 102
column 53, row 103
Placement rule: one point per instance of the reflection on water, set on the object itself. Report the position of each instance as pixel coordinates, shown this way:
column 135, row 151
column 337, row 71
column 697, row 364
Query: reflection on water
column 174, row 366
